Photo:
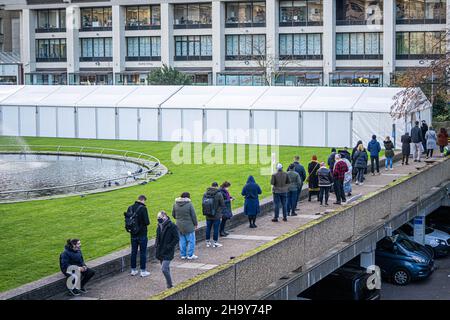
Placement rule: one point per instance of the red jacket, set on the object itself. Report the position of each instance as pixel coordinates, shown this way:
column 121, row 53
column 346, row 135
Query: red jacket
column 339, row 170
column 442, row 139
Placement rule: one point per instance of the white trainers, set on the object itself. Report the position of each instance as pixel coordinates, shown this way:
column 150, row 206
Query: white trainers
column 144, row 274
column 208, row 243
column 193, row 257
column 183, row 258
column 217, row 245
column 391, row 169
column 134, row 272
column 357, row 183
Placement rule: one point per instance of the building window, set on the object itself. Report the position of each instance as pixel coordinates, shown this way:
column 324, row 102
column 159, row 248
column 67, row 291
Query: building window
column 298, row 79
column 97, row 19
column 143, row 18
column 301, row 13
column 240, row 79
column 245, row 47
column 190, row 16
column 46, row 78
column 91, row 78
column 420, row 45
column 193, row 48
column 245, row 14
column 143, row 49
column 421, row 11
column 301, row 46
column 359, row 45
column 96, row 49
column 356, row 79
column 51, row 20
column 351, row 12
column 51, row 50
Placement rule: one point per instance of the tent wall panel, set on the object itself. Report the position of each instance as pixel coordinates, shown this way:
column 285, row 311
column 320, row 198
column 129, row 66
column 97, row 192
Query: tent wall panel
column 47, row 122
column 192, row 125
column 10, row 121
column 171, row 125
column 86, row 123
column 264, row 125
column 128, row 122
column 288, row 128
column 106, row 122
column 239, row 122
column 148, row 125
column 314, row 129
column 28, row 121
column 216, row 123
column 338, row 129
column 364, row 126
column 66, row 122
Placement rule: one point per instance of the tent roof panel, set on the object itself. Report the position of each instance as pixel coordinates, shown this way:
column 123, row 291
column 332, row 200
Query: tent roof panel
column 67, row 96
column 333, row 99
column 106, row 96
column 29, row 95
column 192, row 97
column 283, row 98
column 241, row 97
column 7, row 90
column 376, row 100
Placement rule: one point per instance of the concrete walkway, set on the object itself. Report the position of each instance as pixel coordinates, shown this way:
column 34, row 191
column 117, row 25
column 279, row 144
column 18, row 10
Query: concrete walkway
column 240, row 240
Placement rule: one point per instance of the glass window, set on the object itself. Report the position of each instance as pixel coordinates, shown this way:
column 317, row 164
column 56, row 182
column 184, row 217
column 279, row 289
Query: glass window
column 156, row 15
column 259, row 12
column 193, row 46
column 245, row 45
column 132, row 16
column 43, row 19
column 192, row 14
column 205, row 13
column 86, row 17
column 132, row 46
column 359, row 43
column 156, row 46
column 417, row 43
column 315, row 10
column 246, row 12
column 96, row 47
column 301, row 11
column 62, row 18
column 144, row 47
column 180, row 13
column 144, row 16
column 53, row 19
column 402, row 43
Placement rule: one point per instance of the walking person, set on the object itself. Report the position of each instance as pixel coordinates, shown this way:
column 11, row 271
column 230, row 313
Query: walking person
column 431, row 139
column 72, row 256
column 212, row 206
column 360, row 160
column 406, row 148
column 424, row 129
column 294, row 188
column 374, row 148
column 313, row 180
column 388, row 153
column 227, row 213
column 166, row 239
column 416, row 138
column 250, row 192
column 325, row 182
column 186, row 220
column 340, row 168
column 301, row 171
column 280, row 186
column 139, row 238
column 442, row 140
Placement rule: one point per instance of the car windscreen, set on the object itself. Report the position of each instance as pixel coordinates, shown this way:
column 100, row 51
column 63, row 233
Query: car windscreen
column 428, row 230
column 409, row 245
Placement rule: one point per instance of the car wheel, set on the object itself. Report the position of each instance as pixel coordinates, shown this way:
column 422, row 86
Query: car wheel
column 433, row 254
column 401, row 277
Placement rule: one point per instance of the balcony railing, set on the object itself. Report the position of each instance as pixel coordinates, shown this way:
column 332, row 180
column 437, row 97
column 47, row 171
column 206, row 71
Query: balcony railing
column 230, row 24
column 49, row 30
column 95, row 59
column 442, row 20
column 359, row 57
column 302, row 57
column 419, row 56
column 55, row 59
column 143, row 58
column 358, row 22
column 142, row 27
column 301, row 23
column 245, row 58
column 193, row 26
column 192, row 58
column 86, row 29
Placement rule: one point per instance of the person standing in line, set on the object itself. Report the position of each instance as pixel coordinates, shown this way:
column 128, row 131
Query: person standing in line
column 280, row 186
column 251, row 191
column 442, row 140
column 388, row 153
column 212, row 206
column 353, row 159
column 227, row 213
column 331, row 159
column 340, row 168
column 325, row 182
column 360, row 160
column 294, row 188
column 313, row 180
column 406, row 148
column 167, row 238
column 348, row 177
column 431, row 139
column 345, row 154
column 374, row 148
column 424, row 129
column 301, row 171
column 186, row 220
column 416, row 138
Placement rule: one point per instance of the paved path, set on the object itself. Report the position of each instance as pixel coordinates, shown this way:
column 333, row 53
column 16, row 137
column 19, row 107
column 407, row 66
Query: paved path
column 240, row 240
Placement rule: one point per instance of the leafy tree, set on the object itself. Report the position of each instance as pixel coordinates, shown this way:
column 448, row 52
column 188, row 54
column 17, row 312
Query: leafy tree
column 167, row 75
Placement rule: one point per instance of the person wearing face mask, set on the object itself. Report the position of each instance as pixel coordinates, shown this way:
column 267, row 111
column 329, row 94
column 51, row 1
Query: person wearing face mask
column 167, row 238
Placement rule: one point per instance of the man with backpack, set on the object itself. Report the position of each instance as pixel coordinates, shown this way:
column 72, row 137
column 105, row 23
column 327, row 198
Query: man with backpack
column 212, row 204
column 136, row 222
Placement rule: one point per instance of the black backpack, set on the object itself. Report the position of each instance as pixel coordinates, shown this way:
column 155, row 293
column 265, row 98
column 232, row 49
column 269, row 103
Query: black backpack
column 132, row 220
column 208, row 205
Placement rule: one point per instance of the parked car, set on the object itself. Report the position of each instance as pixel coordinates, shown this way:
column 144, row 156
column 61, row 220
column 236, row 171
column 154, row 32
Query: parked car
column 439, row 219
column 346, row 283
column 427, row 249
column 438, row 240
column 402, row 260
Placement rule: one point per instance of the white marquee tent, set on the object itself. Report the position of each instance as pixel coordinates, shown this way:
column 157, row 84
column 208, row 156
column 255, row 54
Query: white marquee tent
column 297, row 116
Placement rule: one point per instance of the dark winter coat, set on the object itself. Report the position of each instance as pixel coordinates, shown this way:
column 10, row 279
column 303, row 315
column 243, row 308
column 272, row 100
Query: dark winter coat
column 331, row 160
column 325, row 177
column 70, row 257
column 424, row 129
column 360, row 159
column 143, row 219
column 374, row 148
column 226, row 210
column 296, row 181
column 345, row 154
column 166, row 239
column 219, row 202
column 416, row 134
column 388, row 149
column 300, row 170
column 406, row 144
column 280, row 182
column 183, row 211
column 251, row 191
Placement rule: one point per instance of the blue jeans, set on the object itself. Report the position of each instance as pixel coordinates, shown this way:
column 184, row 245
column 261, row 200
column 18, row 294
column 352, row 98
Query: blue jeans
column 280, row 199
column 141, row 243
column 388, row 162
column 215, row 224
column 292, row 197
column 187, row 241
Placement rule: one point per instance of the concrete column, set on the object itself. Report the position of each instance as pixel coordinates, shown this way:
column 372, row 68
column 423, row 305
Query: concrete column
column 218, row 38
column 389, row 37
column 28, row 42
column 167, row 40
column 419, row 229
column 329, row 39
column 119, row 45
column 272, row 42
column 368, row 257
column 72, row 41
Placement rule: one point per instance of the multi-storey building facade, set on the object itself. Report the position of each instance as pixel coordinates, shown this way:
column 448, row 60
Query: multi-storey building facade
column 227, row 42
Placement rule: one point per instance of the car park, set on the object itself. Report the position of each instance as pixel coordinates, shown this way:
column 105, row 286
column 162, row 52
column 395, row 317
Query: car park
column 438, row 240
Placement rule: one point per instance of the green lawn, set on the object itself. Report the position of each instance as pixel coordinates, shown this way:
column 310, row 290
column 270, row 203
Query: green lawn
column 34, row 233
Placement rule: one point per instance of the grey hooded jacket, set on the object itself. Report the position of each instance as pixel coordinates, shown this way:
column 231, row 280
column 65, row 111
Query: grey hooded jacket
column 183, row 211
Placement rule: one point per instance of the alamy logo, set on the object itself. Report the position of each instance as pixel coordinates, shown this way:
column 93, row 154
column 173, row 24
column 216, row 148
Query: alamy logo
column 374, row 280
column 74, row 280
